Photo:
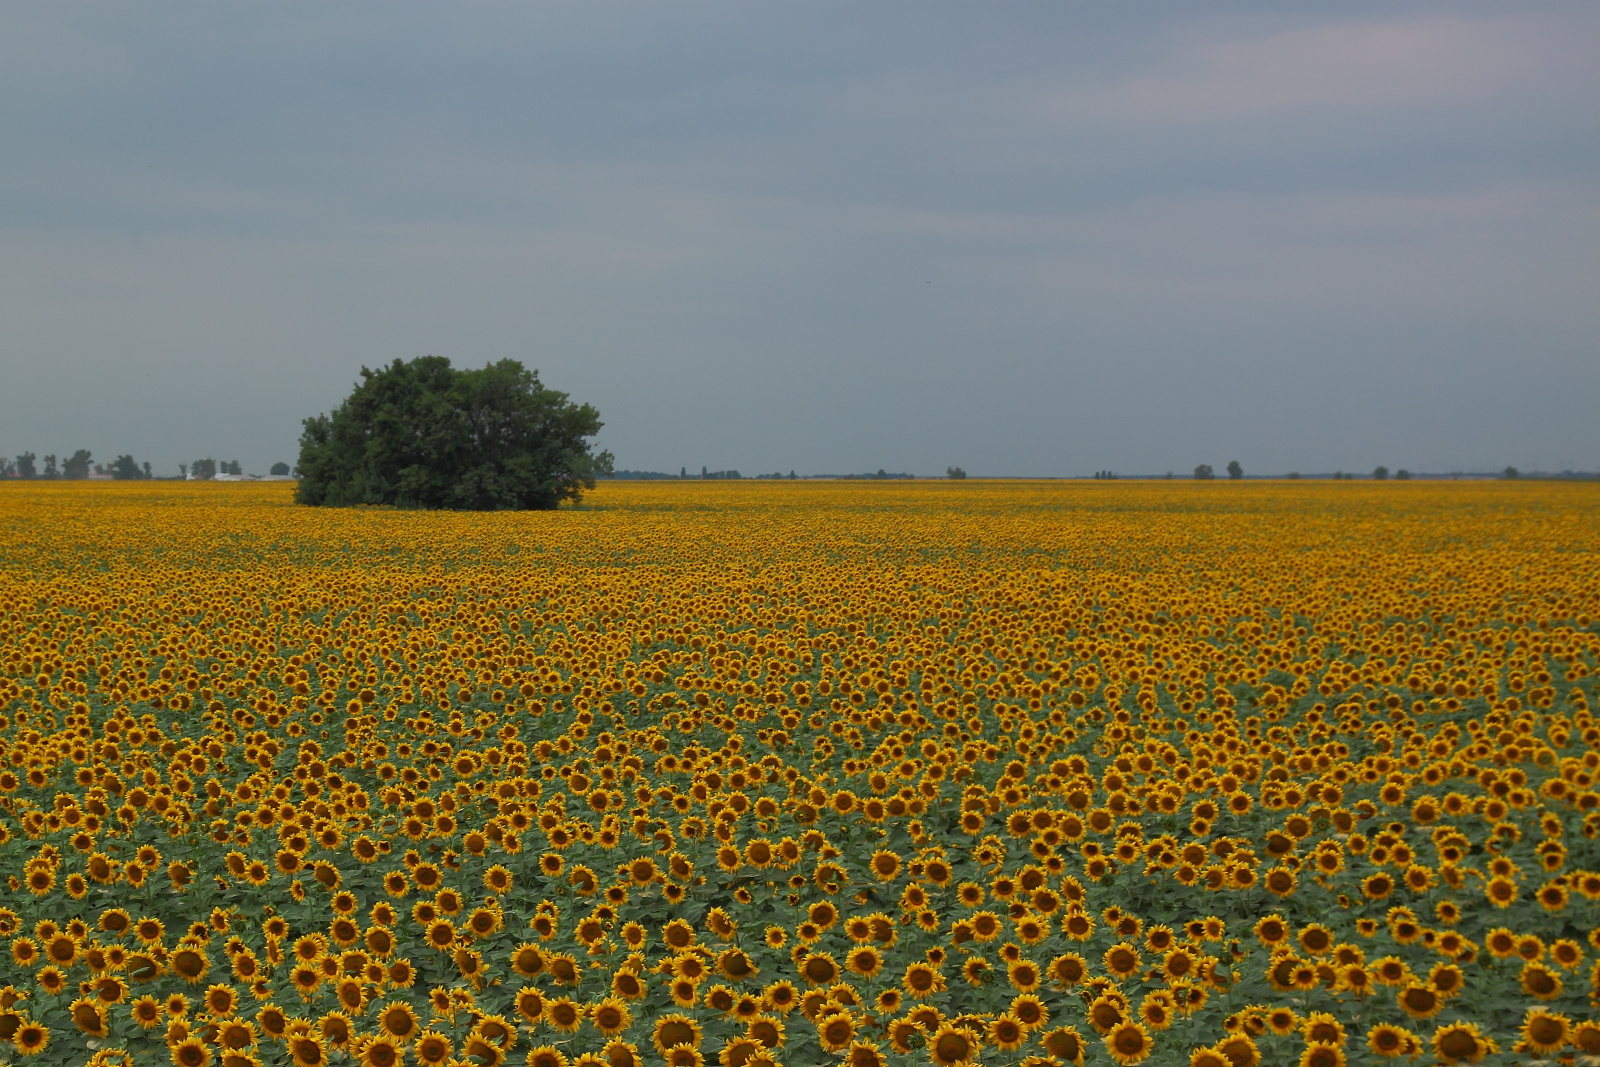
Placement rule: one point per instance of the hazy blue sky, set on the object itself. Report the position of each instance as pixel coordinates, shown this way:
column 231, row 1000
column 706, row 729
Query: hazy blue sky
column 1023, row 238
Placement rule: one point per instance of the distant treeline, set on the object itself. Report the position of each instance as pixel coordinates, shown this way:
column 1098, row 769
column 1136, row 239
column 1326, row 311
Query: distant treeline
column 728, row 475
column 81, row 464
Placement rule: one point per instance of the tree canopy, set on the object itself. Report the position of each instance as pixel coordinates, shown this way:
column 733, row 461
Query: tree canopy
column 423, row 434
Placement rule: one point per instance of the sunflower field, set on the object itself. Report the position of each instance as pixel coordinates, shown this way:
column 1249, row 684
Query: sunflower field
column 752, row 774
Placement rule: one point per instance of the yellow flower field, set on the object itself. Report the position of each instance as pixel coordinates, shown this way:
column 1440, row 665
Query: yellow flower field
column 802, row 773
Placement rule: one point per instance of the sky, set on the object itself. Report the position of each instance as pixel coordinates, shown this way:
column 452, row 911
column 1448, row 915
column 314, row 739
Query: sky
column 1027, row 239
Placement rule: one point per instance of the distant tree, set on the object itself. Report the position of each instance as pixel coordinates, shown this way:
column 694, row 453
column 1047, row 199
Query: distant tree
column 203, row 470
column 424, row 434
column 78, row 465
column 683, row 472
column 1203, row 473
column 278, row 470
column 183, row 470
column 1234, row 470
column 7, row 469
column 792, row 475
column 1338, row 476
column 1169, row 476
column 125, row 468
column 50, row 470
column 147, row 472
column 702, row 471
column 229, row 466
column 1511, row 472
column 1402, row 475
column 955, row 472
column 1380, row 474
column 1294, row 476
column 25, row 467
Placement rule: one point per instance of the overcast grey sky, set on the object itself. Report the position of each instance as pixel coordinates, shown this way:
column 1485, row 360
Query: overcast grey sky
column 1025, row 238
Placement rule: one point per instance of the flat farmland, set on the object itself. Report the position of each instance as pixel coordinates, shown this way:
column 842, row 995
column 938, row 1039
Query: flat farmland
column 802, row 773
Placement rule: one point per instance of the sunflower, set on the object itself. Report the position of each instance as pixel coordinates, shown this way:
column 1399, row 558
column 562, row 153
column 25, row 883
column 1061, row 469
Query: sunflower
column 235, row 1034
column 1459, row 1042
column 52, row 981
column 1023, row 975
column 564, row 1014
column 836, row 1031
column 628, row 984
column 381, row 1051
column 673, row 1030
column 1128, row 1042
column 399, row 1020
column 306, row 1050
column 684, row 1056
column 191, row 1053
column 1540, row 981
column 1065, row 1044
column 1501, row 892
column 769, row 1032
column 865, row 961
column 1122, row 959
column 190, row 964
column 400, row 974
column 1546, row 1032
column 1029, row 1011
column 89, row 1016
column 1157, row 1009
column 1389, row 1041
column 1007, row 1032
column 611, row 1016
column 1106, row 1012
column 146, row 1011
column 1321, row 1054
column 1239, row 1050
column 948, row 1046
column 781, row 996
column 530, row 1005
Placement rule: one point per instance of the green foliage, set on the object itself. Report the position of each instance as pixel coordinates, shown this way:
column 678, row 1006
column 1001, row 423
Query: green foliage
column 78, row 464
column 125, row 467
column 1204, row 473
column 426, row 435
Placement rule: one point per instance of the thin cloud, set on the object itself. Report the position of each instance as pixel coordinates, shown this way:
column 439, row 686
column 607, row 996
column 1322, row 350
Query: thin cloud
column 1361, row 66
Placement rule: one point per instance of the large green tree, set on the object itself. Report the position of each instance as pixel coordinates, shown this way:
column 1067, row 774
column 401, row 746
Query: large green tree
column 423, row 434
